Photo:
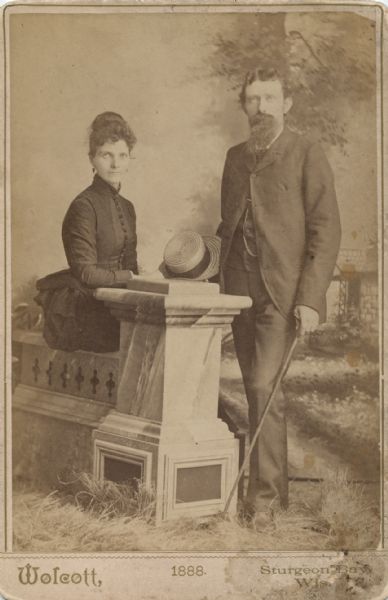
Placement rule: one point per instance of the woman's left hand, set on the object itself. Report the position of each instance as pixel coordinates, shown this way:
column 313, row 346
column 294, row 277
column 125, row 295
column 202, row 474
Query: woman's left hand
column 153, row 275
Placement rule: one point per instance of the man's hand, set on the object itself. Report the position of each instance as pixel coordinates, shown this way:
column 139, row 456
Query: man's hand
column 308, row 319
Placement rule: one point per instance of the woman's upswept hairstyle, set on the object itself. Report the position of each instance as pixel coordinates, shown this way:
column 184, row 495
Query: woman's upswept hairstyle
column 109, row 127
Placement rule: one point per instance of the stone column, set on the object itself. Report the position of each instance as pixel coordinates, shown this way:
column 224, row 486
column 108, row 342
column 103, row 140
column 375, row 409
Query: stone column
column 165, row 428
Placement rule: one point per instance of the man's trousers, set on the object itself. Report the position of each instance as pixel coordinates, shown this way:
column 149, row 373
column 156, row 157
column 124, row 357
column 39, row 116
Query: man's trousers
column 262, row 337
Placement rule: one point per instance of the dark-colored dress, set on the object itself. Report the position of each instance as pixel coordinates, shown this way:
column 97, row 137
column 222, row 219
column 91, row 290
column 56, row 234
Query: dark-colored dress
column 99, row 237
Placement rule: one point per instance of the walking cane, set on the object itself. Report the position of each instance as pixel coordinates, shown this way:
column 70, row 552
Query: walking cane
column 282, row 371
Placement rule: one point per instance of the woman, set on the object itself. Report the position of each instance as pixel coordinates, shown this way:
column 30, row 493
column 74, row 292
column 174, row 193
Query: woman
column 99, row 237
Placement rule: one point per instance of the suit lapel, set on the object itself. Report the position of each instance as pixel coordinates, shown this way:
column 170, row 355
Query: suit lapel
column 268, row 158
column 243, row 165
column 240, row 173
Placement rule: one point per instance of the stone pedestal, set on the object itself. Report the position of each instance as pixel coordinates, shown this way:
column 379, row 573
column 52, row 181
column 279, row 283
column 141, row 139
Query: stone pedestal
column 165, row 429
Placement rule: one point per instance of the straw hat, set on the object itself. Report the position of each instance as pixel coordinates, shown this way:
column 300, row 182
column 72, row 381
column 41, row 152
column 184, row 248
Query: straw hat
column 189, row 255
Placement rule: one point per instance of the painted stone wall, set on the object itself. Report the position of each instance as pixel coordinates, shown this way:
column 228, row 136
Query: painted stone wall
column 46, row 450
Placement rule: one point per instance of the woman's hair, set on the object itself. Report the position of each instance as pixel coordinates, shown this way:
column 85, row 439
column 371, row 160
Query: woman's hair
column 109, row 127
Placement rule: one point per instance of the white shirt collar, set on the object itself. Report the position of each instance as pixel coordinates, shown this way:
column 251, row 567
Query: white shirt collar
column 275, row 138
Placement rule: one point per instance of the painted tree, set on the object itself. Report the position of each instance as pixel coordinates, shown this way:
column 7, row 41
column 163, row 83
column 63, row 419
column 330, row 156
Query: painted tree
column 329, row 59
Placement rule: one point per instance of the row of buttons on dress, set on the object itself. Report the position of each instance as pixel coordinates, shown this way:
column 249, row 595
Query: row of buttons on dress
column 123, row 227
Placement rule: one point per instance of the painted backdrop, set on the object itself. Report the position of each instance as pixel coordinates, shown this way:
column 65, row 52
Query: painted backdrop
column 175, row 78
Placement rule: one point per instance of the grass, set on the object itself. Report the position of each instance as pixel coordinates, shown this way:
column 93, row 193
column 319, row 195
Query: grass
column 91, row 516
column 108, row 499
column 329, row 399
column 349, row 425
column 349, row 516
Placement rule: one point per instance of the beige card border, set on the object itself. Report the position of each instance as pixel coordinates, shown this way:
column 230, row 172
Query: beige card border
column 232, row 574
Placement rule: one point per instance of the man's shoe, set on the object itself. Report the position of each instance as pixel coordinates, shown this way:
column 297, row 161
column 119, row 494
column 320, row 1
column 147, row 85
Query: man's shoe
column 256, row 518
column 262, row 519
column 247, row 512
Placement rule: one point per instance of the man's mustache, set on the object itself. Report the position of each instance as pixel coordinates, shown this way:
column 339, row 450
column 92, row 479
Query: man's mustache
column 260, row 119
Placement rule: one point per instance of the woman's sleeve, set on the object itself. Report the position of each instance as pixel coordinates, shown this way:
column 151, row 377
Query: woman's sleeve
column 133, row 241
column 79, row 239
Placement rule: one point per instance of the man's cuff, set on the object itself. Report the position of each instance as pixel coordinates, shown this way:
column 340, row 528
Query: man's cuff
column 308, row 299
column 307, row 306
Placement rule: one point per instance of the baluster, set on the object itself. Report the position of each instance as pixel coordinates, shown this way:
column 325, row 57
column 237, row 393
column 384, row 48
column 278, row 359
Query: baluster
column 65, row 376
column 79, row 378
column 36, row 369
column 49, row 372
column 94, row 381
column 110, row 384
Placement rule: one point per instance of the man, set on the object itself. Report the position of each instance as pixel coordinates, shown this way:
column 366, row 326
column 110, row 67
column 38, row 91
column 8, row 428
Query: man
column 280, row 235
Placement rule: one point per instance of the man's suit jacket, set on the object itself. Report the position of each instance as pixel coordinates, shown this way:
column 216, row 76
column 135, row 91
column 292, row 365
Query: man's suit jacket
column 296, row 218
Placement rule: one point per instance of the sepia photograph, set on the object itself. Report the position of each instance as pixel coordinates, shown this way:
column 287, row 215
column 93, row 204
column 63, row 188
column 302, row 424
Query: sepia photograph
column 195, row 302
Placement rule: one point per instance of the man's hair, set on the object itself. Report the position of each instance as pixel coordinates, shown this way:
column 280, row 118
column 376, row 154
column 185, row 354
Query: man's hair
column 265, row 74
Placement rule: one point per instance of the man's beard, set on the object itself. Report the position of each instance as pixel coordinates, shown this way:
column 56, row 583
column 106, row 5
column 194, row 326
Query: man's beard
column 263, row 131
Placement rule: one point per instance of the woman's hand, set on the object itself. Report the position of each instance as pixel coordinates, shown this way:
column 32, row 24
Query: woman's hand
column 153, row 275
